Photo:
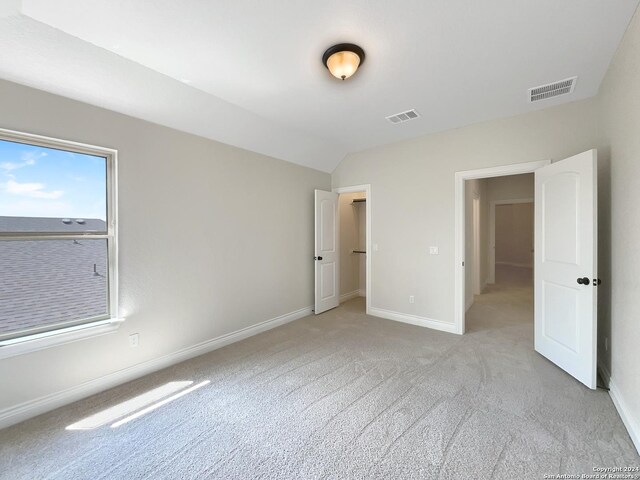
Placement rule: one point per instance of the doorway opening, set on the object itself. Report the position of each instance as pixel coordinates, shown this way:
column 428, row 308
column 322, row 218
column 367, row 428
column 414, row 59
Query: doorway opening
column 329, row 249
column 354, row 214
column 353, row 249
column 499, row 251
column 465, row 184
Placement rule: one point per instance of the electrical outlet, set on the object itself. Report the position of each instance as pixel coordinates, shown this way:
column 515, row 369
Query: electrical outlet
column 133, row 340
column 412, row 299
column 433, row 251
column 375, row 247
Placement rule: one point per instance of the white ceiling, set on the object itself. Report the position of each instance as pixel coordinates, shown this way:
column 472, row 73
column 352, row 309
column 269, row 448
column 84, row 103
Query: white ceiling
column 249, row 72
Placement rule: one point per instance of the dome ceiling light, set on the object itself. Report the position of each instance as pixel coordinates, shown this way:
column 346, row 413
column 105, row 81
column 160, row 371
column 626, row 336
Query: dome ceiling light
column 343, row 59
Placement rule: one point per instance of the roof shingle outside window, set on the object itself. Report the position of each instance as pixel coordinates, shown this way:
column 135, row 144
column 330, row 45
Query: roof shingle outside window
column 45, row 282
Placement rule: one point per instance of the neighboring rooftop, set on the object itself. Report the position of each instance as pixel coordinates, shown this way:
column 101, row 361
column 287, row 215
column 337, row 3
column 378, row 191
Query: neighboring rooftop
column 51, row 281
column 56, row 225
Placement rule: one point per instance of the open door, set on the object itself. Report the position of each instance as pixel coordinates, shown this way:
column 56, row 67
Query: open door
column 566, row 265
column 327, row 269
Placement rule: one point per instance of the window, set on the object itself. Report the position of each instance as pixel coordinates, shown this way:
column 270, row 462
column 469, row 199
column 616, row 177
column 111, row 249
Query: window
column 57, row 237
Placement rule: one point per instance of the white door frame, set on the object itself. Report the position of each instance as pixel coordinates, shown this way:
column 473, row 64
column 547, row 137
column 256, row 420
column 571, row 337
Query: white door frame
column 492, row 232
column 460, row 177
column 367, row 189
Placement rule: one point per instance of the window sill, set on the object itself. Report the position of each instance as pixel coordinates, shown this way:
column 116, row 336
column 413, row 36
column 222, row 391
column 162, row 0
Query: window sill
column 40, row 341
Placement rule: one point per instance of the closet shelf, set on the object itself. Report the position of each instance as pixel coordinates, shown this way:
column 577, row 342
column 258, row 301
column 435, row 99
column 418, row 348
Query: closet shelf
column 358, row 200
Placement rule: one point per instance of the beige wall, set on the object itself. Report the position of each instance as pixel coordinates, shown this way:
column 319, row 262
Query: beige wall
column 213, row 239
column 413, row 196
column 514, row 234
column 511, row 187
column 475, row 189
column 619, row 223
column 471, row 189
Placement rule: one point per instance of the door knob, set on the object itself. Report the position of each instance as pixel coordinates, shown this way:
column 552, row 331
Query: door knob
column 584, row 281
column 317, row 258
column 596, row 281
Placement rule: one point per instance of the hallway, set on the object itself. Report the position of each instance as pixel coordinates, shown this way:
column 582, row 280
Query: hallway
column 508, row 302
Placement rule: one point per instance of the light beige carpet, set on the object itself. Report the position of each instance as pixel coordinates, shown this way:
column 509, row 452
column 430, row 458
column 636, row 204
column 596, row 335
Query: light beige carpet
column 343, row 395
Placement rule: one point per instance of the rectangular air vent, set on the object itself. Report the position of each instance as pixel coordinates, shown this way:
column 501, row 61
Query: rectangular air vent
column 403, row 116
column 563, row 87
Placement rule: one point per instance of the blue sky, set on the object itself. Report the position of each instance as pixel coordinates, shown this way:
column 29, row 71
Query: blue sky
column 43, row 182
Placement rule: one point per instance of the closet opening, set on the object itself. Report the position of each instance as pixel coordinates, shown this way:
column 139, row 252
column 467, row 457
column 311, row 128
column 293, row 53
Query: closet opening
column 353, row 249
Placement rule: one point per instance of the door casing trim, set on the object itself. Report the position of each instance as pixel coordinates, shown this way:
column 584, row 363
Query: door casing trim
column 367, row 189
column 460, row 177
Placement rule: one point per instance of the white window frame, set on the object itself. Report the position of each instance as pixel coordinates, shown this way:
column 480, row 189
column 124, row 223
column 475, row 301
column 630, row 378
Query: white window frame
column 34, row 339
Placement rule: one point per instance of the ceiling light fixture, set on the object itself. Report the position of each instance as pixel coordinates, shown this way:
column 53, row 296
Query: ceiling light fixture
column 343, row 59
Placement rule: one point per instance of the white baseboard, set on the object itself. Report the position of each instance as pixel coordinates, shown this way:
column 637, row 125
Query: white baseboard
column 413, row 320
column 625, row 414
column 348, row 296
column 362, row 292
column 18, row 413
column 631, row 425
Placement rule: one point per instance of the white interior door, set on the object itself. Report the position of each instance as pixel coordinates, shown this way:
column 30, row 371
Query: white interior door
column 566, row 264
column 327, row 256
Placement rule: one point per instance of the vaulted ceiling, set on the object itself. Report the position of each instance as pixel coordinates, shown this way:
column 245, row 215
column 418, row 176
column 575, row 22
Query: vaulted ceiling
column 249, row 73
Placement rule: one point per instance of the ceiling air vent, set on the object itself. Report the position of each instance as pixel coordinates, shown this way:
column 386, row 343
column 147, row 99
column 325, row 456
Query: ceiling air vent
column 403, row 116
column 555, row 89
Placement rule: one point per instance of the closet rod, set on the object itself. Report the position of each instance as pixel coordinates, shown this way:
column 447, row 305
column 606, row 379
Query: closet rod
column 359, row 251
